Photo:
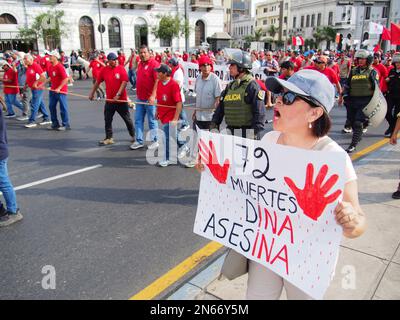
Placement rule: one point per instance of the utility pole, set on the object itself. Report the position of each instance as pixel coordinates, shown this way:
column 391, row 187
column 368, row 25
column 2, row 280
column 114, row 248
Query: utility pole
column 100, row 25
column 186, row 20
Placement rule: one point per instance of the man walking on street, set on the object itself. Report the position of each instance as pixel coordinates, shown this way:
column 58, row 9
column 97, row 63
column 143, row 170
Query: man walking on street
column 116, row 79
column 146, row 87
column 11, row 90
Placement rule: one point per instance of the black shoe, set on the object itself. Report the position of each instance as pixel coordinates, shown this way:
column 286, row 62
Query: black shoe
column 388, row 133
column 347, row 130
column 351, row 149
column 396, row 195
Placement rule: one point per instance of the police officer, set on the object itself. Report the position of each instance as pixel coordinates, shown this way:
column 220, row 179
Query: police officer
column 242, row 102
column 358, row 92
column 393, row 95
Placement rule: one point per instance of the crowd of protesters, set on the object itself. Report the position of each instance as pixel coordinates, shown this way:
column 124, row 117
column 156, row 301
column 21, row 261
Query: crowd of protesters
column 157, row 78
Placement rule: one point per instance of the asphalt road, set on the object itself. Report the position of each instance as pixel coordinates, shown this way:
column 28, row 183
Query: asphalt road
column 109, row 231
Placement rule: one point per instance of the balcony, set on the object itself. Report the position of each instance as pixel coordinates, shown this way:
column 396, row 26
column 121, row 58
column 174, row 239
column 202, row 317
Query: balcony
column 202, row 4
column 132, row 4
column 46, row 1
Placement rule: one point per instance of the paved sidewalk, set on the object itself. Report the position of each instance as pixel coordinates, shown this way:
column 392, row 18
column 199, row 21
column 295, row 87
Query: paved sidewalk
column 374, row 257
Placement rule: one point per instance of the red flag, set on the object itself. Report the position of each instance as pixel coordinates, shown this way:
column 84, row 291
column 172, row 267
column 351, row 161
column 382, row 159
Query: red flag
column 395, row 34
column 386, row 34
column 377, row 48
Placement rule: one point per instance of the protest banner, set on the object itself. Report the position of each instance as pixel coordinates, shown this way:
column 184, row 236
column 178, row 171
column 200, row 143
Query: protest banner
column 274, row 204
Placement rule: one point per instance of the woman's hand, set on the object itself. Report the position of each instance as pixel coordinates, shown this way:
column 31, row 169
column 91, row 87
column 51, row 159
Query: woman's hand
column 349, row 219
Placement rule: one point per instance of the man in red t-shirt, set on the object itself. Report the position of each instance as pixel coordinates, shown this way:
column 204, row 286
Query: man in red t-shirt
column 35, row 79
column 121, row 58
column 116, row 79
column 11, row 89
column 320, row 64
column 45, row 62
column 96, row 65
column 169, row 107
column 146, row 86
column 296, row 59
column 58, row 93
column 383, row 72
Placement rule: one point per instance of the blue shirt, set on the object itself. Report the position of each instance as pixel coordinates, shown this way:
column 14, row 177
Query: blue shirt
column 3, row 138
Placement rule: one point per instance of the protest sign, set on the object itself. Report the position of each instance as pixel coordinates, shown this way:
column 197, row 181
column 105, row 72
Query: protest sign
column 274, row 204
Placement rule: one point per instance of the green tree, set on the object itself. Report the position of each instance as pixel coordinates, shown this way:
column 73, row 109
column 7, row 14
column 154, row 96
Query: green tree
column 257, row 35
column 272, row 30
column 49, row 26
column 170, row 27
column 319, row 36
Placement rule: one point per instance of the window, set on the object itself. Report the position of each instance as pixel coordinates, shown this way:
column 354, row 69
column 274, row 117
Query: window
column 385, row 12
column 308, row 21
column 265, row 22
column 284, row 33
column 313, row 20
column 265, row 10
column 284, row 19
column 294, row 22
column 302, row 22
column 330, row 18
column 6, row 18
column 286, row 6
column 367, row 13
column 319, row 17
column 165, row 42
column 114, row 33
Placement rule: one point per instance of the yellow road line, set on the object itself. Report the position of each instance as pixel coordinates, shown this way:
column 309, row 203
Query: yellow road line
column 176, row 273
column 162, row 283
column 369, row 149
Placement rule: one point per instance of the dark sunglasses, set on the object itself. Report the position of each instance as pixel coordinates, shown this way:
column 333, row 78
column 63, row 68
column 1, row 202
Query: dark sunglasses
column 319, row 61
column 290, row 97
column 205, row 65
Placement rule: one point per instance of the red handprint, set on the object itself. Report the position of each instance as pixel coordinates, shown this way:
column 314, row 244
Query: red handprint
column 209, row 157
column 312, row 198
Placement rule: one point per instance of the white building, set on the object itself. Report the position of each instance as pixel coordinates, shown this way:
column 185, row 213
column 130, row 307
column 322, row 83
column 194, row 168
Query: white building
column 127, row 23
column 242, row 27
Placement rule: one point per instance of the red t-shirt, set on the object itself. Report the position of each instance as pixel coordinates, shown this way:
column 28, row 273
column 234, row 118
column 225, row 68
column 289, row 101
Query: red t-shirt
column 57, row 74
column 383, row 74
column 33, row 73
column 335, row 68
column 113, row 77
column 167, row 95
column 185, row 57
column 45, row 63
column 328, row 72
column 12, row 75
column 96, row 68
column 121, row 60
column 297, row 63
column 146, row 78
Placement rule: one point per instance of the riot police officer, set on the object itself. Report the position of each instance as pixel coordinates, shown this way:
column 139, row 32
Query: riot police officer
column 359, row 89
column 242, row 102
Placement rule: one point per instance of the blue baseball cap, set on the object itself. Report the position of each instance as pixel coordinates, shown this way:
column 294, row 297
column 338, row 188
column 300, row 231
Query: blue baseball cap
column 112, row 56
column 308, row 83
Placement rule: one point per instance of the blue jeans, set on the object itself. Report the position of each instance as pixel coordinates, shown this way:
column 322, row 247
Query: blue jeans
column 174, row 135
column 53, row 99
column 132, row 77
column 36, row 104
column 11, row 100
column 183, row 117
column 140, row 113
column 7, row 188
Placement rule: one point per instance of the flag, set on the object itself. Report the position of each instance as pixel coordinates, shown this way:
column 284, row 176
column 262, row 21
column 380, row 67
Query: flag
column 377, row 48
column 395, row 34
column 375, row 28
column 386, row 34
column 298, row 41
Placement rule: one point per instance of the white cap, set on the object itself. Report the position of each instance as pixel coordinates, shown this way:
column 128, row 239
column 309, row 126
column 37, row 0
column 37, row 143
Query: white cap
column 55, row 53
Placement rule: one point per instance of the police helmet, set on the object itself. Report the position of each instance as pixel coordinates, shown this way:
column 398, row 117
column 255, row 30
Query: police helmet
column 240, row 58
column 364, row 54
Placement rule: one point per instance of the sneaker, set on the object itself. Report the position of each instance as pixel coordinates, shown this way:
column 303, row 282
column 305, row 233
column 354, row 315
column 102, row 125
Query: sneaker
column 136, row 145
column 40, row 115
column 153, row 145
column 10, row 115
column 52, row 128
column 365, row 130
column 164, row 163
column 396, row 195
column 388, row 133
column 347, row 130
column 106, row 142
column 23, row 118
column 63, row 128
column 350, row 149
column 185, row 127
column 44, row 122
column 183, row 151
column 31, row 125
column 10, row 219
column 190, row 164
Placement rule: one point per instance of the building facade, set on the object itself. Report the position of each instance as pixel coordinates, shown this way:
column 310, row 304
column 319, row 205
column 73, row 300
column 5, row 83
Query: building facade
column 273, row 18
column 242, row 26
column 125, row 23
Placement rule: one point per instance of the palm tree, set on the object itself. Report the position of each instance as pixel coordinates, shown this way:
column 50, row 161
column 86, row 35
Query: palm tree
column 258, row 34
column 272, row 30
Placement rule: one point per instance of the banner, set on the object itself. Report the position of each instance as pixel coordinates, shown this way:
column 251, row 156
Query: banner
column 375, row 28
column 191, row 72
column 274, row 204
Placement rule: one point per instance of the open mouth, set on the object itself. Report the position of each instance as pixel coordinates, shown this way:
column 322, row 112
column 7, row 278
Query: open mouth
column 277, row 115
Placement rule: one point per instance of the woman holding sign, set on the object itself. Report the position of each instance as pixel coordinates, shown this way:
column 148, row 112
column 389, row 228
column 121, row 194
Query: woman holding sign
column 301, row 120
